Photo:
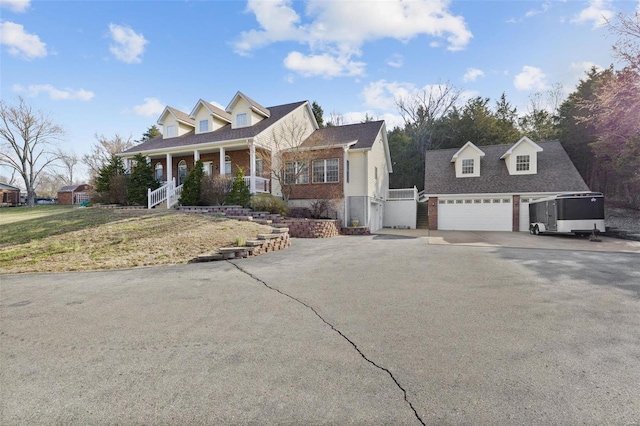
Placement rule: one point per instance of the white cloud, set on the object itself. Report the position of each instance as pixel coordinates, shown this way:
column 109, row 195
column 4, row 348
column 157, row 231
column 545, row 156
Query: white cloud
column 55, row 94
column 323, row 65
column 396, row 61
column 472, row 74
column 382, row 95
column 18, row 6
column 129, row 45
column 584, row 66
column 531, row 78
column 599, row 12
column 150, row 107
column 533, row 12
column 329, row 29
column 21, row 43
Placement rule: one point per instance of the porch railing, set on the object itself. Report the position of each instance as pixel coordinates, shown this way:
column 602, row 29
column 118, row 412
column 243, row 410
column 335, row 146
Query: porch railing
column 173, row 196
column 262, row 184
column 402, row 194
column 157, row 196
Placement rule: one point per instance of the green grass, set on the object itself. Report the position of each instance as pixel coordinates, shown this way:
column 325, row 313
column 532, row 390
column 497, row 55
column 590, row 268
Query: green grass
column 18, row 214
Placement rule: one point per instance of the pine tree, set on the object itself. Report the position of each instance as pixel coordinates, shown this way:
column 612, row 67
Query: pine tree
column 240, row 194
column 141, row 180
column 191, row 186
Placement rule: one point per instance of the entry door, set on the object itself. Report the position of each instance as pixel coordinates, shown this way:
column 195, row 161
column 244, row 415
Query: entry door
column 551, row 213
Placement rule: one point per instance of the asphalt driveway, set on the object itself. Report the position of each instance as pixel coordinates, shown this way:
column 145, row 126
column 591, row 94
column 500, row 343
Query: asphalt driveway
column 382, row 329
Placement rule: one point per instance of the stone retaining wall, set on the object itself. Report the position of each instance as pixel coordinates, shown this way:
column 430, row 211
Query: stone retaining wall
column 312, row 228
column 359, row 230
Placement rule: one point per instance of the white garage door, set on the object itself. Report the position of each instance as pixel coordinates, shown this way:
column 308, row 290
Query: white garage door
column 477, row 214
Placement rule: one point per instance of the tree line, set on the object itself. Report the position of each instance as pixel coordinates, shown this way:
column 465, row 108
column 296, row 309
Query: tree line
column 598, row 124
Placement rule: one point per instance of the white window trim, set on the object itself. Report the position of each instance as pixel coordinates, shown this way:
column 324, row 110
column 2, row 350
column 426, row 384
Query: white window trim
column 241, row 120
column 526, row 161
column 206, row 125
column 171, row 131
column 300, row 172
column 465, row 167
column 325, row 174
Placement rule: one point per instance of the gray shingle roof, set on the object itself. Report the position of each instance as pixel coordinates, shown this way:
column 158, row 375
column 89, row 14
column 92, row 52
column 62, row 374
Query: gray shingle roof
column 364, row 133
column 8, row 187
column 254, row 104
column 556, row 173
column 223, row 134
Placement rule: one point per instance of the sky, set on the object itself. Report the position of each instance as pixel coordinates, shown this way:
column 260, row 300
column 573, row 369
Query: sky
column 110, row 67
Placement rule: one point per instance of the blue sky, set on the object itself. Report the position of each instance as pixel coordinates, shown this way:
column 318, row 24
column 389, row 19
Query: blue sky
column 110, row 67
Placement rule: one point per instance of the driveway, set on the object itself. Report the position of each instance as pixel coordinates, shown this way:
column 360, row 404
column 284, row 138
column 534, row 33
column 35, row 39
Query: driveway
column 382, row 329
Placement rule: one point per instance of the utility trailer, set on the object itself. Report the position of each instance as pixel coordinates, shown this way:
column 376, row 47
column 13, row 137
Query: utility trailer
column 580, row 213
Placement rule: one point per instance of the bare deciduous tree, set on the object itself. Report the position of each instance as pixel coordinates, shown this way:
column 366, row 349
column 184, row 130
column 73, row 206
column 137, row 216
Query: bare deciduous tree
column 26, row 141
column 102, row 151
column 67, row 163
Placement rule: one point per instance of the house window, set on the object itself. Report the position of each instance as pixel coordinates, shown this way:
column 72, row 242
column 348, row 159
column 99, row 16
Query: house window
column 227, row 165
column 241, row 120
column 171, row 131
column 204, row 125
column 296, row 172
column 325, row 171
column 207, row 166
column 375, row 171
column 467, row 166
column 522, row 163
column 182, row 171
column 158, row 172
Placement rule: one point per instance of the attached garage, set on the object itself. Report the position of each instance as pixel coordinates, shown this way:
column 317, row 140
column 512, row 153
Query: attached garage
column 475, row 214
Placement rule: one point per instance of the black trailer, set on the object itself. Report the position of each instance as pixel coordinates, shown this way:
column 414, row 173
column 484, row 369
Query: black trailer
column 571, row 212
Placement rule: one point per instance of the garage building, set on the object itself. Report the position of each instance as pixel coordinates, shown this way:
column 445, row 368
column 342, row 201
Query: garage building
column 488, row 188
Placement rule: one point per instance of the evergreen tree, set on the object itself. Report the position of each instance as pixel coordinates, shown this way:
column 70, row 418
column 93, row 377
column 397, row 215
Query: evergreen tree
column 317, row 113
column 240, row 194
column 191, row 186
column 141, row 180
column 152, row 132
column 114, row 167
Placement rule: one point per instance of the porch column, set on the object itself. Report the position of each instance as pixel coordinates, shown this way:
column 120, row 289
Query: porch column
column 196, row 155
column 169, row 168
column 222, row 155
column 252, row 167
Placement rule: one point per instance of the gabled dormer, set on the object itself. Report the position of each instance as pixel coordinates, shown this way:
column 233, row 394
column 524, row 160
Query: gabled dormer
column 175, row 123
column 245, row 111
column 467, row 161
column 208, row 117
column 522, row 157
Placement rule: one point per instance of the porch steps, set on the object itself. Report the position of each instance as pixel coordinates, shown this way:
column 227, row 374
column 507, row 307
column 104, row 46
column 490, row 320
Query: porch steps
column 422, row 221
column 264, row 243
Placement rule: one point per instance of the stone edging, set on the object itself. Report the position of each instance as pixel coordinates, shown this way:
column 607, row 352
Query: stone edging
column 278, row 239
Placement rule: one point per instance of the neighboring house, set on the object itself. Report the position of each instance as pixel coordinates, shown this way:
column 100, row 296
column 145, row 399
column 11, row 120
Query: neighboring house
column 74, row 194
column 9, row 194
column 351, row 162
column 488, row 188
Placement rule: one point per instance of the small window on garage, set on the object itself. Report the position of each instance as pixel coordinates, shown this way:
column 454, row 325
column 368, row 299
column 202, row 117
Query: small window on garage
column 477, row 201
column 459, row 201
column 468, row 201
column 442, row 201
column 496, row 200
column 486, row 201
column 450, row 201
column 506, row 200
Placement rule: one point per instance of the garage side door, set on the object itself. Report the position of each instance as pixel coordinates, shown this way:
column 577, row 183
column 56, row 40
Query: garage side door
column 475, row 214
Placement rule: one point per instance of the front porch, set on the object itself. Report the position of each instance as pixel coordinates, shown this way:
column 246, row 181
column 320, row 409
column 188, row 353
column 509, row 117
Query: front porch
column 171, row 168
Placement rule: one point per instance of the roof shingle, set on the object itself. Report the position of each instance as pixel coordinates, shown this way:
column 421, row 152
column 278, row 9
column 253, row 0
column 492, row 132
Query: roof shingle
column 555, row 173
column 363, row 133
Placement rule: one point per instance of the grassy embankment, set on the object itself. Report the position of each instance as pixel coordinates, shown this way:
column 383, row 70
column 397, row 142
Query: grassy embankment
column 62, row 238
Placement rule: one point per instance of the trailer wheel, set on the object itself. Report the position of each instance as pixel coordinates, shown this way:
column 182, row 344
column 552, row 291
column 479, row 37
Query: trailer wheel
column 536, row 230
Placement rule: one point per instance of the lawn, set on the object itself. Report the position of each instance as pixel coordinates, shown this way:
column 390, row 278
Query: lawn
column 59, row 238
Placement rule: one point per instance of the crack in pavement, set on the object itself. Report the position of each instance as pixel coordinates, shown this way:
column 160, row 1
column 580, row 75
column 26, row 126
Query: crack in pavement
column 404, row 392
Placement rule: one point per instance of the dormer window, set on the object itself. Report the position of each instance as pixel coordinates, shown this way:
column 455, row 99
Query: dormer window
column 523, row 163
column 171, row 131
column 467, row 166
column 241, row 120
column 204, row 125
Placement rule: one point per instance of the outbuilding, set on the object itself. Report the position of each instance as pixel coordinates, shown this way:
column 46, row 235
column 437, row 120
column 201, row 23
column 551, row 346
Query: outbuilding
column 488, row 188
column 9, row 194
column 74, row 194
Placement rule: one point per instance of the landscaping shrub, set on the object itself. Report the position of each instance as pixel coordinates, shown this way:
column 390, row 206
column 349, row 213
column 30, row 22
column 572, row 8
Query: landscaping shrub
column 269, row 203
column 240, row 194
column 191, row 186
column 214, row 190
column 299, row 213
column 141, row 181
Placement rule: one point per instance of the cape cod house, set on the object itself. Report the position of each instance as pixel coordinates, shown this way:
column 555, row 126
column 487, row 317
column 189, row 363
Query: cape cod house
column 350, row 164
column 488, row 188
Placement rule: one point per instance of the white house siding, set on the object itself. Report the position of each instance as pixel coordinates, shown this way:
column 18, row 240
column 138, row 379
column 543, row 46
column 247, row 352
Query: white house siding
column 377, row 188
column 357, row 174
column 469, row 153
column 183, row 129
column 475, row 213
